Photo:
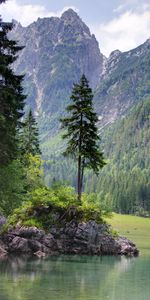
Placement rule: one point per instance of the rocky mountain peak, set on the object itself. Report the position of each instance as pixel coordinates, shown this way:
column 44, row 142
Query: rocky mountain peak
column 71, row 18
column 17, row 25
column 70, row 14
column 110, row 63
column 114, row 54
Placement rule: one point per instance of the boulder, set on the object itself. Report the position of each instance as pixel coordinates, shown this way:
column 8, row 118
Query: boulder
column 28, row 232
column 127, row 247
column 50, row 242
column 19, row 244
column 34, row 245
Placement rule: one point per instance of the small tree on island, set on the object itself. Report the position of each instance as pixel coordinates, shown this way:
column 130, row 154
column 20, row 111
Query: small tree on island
column 82, row 132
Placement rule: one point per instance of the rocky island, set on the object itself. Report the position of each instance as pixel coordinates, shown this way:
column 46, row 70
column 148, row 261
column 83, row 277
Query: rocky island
column 83, row 238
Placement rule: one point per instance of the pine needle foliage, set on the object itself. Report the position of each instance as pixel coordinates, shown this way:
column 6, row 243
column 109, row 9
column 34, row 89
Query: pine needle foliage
column 29, row 136
column 11, row 96
column 81, row 132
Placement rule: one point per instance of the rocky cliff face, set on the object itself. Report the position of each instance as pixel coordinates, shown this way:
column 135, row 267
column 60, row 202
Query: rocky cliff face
column 125, row 81
column 83, row 239
column 57, row 52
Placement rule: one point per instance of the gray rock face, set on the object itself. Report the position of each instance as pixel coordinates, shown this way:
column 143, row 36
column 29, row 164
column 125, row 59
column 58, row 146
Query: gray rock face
column 57, row 52
column 18, row 244
column 29, row 232
column 54, row 46
column 29, row 240
column 127, row 246
column 91, row 239
column 83, row 239
column 123, row 83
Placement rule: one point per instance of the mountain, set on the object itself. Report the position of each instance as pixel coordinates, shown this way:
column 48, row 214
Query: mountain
column 125, row 80
column 57, row 52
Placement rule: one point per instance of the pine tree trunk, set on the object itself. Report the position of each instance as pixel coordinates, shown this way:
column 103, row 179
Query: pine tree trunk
column 80, row 163
column 79, row 178
column 82, row 172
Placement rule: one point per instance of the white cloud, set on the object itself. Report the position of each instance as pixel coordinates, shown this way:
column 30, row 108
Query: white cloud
column 125, row 32
column 27, row 13
column 119, row 8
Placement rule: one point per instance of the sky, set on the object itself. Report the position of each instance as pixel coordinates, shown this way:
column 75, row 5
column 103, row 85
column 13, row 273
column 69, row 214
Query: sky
column 117, row 24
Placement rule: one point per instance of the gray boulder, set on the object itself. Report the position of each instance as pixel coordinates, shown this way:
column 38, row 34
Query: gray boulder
column 19, row 244
column 127, row 247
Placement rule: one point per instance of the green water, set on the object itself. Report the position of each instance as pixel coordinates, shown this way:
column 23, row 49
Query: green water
column 75, row 278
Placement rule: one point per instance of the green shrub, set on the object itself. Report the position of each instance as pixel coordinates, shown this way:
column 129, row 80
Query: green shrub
column 90, row 212
column 33, row 222
column 45, row 207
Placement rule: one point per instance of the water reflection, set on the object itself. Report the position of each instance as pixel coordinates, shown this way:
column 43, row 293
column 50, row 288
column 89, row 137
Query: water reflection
column 74, row 278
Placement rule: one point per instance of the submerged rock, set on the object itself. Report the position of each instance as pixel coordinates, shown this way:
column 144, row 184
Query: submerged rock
column 72, row 238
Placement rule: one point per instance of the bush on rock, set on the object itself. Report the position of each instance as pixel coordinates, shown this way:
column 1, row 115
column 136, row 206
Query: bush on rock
column 45, row 207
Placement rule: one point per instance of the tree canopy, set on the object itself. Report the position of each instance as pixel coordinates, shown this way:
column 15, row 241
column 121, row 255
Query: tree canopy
column 29, row 136
column 11, row 96
column 81, row 131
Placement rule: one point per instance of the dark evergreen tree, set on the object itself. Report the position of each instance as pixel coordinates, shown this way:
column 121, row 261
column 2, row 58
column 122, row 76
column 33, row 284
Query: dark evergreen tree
column 82, row 133
column 29, row 136
column 11, row 96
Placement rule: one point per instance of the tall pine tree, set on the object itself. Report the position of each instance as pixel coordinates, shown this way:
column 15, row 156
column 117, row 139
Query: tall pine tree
column 29, row 136
column 82, row 133
column 11, row 96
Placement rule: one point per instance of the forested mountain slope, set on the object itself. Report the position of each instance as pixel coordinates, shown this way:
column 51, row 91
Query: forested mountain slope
column 124, row 183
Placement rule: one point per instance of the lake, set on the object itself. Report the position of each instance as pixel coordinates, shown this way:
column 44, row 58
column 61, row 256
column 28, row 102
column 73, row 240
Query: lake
column 75, row 278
